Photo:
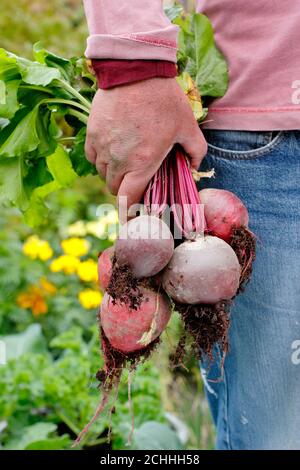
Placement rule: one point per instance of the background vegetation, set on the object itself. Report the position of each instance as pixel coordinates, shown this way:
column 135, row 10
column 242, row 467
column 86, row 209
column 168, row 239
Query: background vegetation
column 49, row 300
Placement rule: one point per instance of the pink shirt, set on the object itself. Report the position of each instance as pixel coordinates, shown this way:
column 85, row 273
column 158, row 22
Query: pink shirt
column 260, row 40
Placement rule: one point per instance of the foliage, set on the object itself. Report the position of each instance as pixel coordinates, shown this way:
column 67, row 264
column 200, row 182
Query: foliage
column 49, row 389
column 45, row 103
column 60, row 24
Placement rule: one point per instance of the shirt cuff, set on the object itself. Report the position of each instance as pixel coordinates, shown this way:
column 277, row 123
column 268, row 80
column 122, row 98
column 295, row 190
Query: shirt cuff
column 114, row 72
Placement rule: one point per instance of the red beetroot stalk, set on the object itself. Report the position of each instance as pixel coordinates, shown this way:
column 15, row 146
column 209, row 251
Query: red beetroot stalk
column 156, row 195
column 184, row 197
column 174, row 184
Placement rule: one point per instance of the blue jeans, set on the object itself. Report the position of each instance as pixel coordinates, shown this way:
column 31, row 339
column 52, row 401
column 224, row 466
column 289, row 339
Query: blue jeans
column 255, row 400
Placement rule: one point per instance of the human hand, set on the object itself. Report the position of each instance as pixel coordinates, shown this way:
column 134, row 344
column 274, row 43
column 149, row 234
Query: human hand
column 132, row 128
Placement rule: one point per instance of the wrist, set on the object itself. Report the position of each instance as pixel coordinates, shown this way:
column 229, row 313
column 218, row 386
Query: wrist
column 114, row 72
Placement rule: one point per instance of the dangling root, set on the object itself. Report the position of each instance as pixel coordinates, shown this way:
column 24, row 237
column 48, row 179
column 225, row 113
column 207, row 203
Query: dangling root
column 129, row 440
column 208, row 325
column 109, row 377
column 176, row 359
column 123, row 286
column 99, row 409
column 243, row 242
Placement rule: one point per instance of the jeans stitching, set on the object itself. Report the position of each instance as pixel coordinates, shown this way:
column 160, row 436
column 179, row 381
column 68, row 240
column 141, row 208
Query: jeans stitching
column 227, row 433
column 248, row 154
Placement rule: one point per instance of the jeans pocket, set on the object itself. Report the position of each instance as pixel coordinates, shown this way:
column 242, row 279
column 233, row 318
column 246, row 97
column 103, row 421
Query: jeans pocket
column 241, row 145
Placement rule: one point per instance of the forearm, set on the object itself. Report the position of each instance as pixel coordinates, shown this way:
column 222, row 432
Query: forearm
column 129, row 29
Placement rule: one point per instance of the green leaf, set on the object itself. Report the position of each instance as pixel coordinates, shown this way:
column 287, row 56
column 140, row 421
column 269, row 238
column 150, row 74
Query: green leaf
column 36, row 212
column 11, row 182
column 9, row 69
column 212, row 75
column 31, row 340
column 44, row 126
column 77, row 155
column 173, row 11
column 60, row 166
column 23, row 138
column 206, row 64
column 52, row 60
column 155, row 436
column 31, row 435
column 70, row 339
column 54, row 443
column 2, row 92
column 9, row 98
column 38, row 74
column 37, row 175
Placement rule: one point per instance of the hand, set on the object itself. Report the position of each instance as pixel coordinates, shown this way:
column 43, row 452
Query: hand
column 132, row 128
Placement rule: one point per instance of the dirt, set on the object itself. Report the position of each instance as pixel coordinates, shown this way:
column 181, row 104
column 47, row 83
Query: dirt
column 115, row 361
column 123, row 286
column 207, row 325
column 243, row 242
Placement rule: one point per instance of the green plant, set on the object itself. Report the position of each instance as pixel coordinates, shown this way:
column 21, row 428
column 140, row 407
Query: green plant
column 44, row 107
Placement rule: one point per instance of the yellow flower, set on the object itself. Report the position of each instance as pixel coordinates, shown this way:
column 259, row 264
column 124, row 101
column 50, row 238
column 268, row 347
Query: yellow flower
column 96, row 228
column 65, row 263
column 34, row 300
column 87, row 271
column 35, row 248
column 77, row 229
column 47, row 286
column 75, row 246
column 90, row 298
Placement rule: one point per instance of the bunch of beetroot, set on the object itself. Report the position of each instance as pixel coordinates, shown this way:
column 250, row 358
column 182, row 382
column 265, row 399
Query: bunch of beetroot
column 195, row 263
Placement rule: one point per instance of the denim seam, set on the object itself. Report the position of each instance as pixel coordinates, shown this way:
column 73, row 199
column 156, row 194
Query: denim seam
column 227, row 433
column 247, row 154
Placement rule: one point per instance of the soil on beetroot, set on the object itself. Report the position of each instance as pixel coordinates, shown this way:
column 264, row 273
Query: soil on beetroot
column 115, row 361
column 123, row 286
column 243, row 242
column 207, row 325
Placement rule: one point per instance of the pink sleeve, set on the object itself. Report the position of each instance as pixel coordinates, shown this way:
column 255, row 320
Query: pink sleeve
column 129, row 29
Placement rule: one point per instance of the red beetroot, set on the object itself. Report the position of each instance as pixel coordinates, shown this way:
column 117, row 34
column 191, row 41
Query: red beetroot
column 145, row 244
column 204, row 271
column 223, row 212
column 105, row 267
column 128, row 329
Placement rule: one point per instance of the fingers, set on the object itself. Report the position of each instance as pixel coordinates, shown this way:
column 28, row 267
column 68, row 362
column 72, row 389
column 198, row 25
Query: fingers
column 194, row 144
column 90, row 152
column 116, row 169
column 131, row 192
column 101, row 168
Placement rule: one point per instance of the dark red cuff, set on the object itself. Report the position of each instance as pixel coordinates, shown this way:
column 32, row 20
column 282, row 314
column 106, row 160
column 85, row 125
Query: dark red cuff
column 112, row 72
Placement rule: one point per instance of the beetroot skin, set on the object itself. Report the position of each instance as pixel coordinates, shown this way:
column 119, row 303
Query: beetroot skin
column 223, row 212
column 204, row 271
column 105, row 267
column 145, row 244
column 125, row 327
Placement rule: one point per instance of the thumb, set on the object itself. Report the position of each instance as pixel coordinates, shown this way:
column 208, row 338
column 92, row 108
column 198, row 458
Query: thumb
column 131, row 192
column 194, row 143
